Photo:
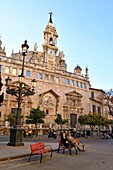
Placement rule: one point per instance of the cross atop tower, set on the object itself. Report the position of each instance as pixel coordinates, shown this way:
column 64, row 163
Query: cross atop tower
column 50, row 19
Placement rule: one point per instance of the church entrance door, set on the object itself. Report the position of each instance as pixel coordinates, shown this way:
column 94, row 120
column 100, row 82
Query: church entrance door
column 73, row 120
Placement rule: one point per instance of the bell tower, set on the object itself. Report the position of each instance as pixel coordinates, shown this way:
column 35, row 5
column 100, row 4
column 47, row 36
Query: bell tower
column 50, row 44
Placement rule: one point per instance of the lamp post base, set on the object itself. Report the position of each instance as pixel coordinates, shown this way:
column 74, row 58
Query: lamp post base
column 16, row 136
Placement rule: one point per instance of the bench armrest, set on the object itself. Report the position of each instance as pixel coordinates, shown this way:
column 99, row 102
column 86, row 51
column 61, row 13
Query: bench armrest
column 46, row 146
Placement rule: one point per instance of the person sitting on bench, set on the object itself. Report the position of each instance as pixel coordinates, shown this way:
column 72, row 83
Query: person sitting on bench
column 73, row 141
column 64, row 140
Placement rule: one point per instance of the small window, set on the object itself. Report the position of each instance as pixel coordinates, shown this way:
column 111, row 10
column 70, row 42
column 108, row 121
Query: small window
column 14, row 71
column 57, row 79
column 72, row 82
column 40, row 75
column 52, row 78
column 81, row 85
column 6, row 69
column 99, row 110
column 27, row 73
column 77, row 84
column 67, row 82
column 47, row 112
column 93, row 109
column 0, row 68
column 92, row 94
column 85, row 86
column 46, row 77
column 0, row 114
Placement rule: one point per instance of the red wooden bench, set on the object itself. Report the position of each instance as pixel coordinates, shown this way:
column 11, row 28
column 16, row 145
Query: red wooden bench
column 39, row 149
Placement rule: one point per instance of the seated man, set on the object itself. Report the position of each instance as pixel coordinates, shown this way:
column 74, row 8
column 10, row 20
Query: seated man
column 73, row 141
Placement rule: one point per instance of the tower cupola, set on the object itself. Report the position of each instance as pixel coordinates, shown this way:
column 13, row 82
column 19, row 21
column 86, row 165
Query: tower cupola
column 77, row 70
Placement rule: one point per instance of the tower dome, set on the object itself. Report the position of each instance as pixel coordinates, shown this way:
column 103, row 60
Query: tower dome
column 77, row 69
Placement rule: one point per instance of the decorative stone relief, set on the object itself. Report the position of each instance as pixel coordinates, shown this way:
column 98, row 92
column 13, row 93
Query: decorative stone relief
column 48, row 100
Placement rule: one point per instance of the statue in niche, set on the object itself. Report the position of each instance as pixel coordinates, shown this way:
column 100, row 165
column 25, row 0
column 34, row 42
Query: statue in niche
column 41, row 99
column 48, row 101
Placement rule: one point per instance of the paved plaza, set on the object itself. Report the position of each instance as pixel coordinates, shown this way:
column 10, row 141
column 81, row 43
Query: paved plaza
column 98, row 156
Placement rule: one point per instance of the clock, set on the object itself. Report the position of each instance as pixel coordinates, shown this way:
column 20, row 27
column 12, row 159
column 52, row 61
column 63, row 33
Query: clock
column 51, row 52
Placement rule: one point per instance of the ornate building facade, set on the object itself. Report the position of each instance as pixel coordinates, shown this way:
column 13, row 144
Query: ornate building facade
column 57, row 90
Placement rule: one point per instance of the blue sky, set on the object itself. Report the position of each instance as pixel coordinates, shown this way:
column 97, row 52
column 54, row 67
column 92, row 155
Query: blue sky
column 85, row 29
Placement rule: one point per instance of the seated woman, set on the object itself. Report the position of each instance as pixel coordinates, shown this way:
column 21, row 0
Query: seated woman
column 64, row 140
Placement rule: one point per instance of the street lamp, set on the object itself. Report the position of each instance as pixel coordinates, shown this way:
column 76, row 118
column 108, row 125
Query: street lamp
column 20, row 90
column 1, row 95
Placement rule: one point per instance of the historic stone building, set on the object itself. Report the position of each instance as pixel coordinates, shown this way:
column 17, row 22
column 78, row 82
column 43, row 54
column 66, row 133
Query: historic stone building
column 57, row 90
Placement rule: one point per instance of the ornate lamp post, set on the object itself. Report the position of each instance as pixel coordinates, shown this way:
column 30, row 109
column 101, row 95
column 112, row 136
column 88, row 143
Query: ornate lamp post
column 1, row 84
column 20, row 90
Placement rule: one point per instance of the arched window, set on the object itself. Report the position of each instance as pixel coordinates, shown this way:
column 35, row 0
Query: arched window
column 51, row 41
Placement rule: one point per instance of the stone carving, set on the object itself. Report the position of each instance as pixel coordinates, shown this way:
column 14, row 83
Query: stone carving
column 61, row 54
column 35, row 47
column 36, row 58
column 48, row 101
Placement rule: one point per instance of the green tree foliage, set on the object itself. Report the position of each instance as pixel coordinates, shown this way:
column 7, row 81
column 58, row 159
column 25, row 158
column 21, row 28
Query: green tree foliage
column 60, row 121
column 94, row 120
column 88, row 120
column 36, row 116
column 91, row 121
column 12, row 118
column 83, row 119
column 109, row 99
